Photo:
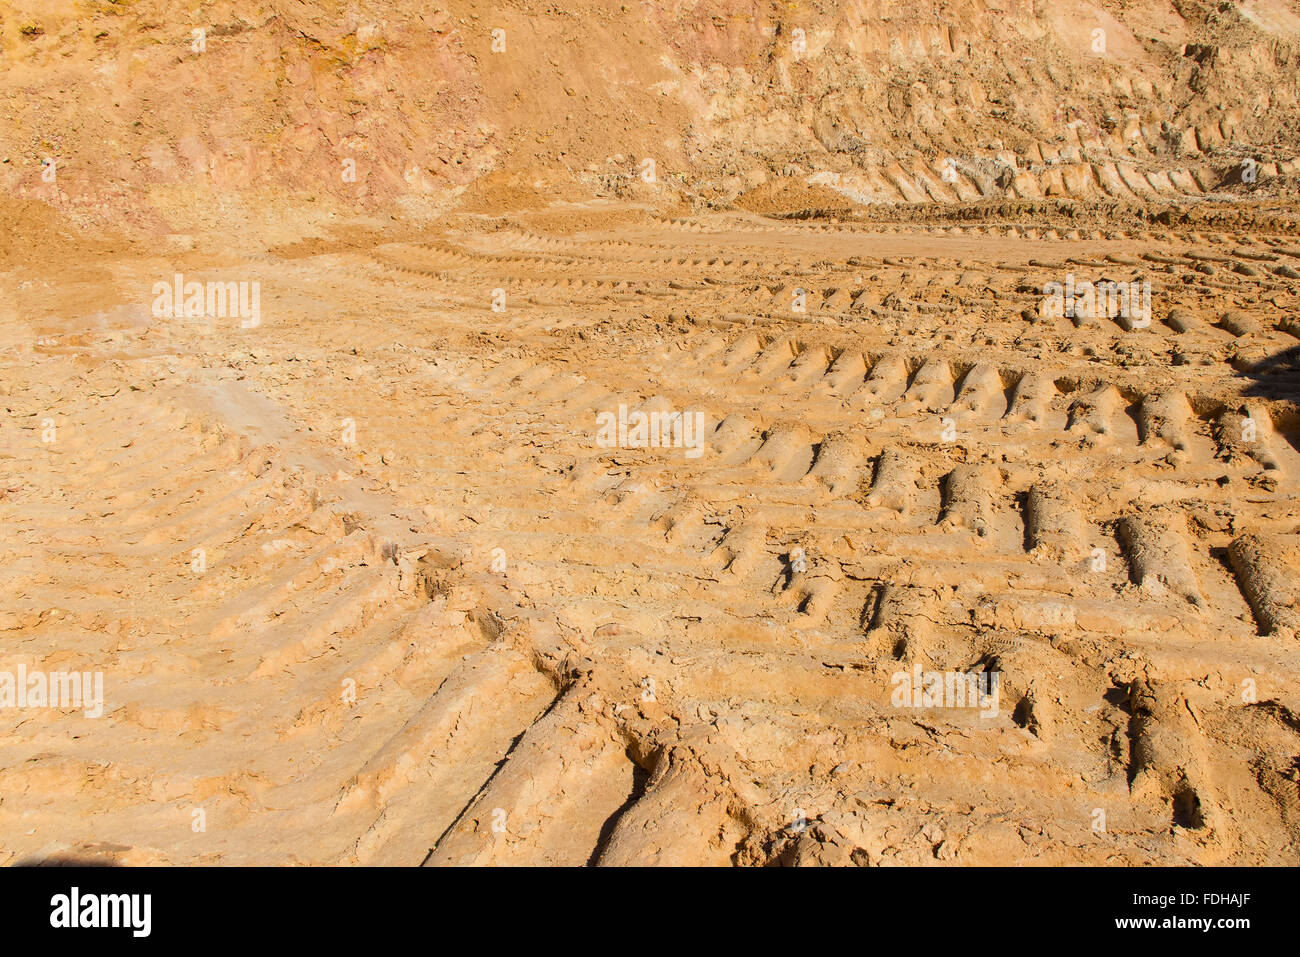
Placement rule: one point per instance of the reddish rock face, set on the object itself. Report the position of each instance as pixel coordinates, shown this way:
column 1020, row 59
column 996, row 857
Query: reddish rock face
column 395, row 107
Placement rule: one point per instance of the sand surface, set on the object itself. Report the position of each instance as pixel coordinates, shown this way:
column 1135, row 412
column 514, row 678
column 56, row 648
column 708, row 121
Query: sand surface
column 366, row 582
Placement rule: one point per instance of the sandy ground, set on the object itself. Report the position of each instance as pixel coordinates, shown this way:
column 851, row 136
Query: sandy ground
column 365, row 586
column 386, row 566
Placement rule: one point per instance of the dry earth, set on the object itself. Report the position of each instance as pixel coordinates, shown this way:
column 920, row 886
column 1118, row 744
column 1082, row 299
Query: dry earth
column 365, row 586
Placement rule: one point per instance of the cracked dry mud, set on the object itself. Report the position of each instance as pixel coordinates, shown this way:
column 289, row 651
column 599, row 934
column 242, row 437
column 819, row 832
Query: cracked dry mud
column 365, row 588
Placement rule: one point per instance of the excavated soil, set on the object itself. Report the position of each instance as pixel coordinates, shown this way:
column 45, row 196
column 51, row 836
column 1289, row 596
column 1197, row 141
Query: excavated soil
column 366, row 585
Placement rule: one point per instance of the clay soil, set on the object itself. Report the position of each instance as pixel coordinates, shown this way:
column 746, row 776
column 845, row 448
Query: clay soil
column 362, row 579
